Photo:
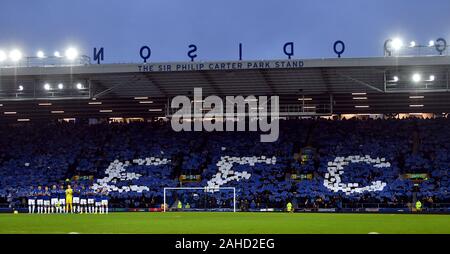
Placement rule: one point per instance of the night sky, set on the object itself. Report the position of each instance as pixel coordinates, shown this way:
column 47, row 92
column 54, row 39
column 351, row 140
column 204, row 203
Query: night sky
column 216, row 27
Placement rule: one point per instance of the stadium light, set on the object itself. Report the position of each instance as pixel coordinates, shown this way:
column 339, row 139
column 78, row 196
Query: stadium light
column 71, row 53
column 79, row 86
column 40, row 54
column 15, row 55
column 2, row 56
column 432, row 78
column 412, row 44
column 57, row 54
column 395, row 79
column 431, row 44
column 60, row 86
column 417, row 77
column 397, row 44
column 47, row 86
column 20, row 88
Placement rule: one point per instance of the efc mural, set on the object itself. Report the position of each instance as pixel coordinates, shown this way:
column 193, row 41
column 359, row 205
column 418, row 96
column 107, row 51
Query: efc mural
column 120, row 179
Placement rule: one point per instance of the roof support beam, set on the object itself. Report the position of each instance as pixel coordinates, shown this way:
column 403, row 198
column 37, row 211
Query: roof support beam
column 361, row 83
column 156, row 84
column 268, row 81
column 211, row 82
column 111, row 89
column 326, row 79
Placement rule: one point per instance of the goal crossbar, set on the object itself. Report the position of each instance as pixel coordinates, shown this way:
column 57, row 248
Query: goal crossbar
column 201, row 188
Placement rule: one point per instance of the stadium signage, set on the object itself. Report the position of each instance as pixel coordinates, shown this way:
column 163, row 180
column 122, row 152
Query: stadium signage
column 145, row 52
column 221, row 66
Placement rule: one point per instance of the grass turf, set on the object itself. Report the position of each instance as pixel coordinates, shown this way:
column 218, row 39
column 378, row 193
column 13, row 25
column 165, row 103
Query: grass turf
column 224, row 223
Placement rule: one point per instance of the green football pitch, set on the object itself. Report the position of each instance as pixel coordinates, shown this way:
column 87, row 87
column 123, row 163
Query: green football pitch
column 224, row 223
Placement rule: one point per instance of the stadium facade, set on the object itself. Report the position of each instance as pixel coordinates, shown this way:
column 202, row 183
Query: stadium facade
column 321, row 87
column 143, row 159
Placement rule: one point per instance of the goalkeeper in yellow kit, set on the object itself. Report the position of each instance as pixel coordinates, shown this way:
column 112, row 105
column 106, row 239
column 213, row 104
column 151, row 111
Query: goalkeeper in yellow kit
column 69, row 195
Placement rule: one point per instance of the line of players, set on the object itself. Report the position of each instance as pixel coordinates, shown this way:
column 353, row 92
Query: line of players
column 67, row 200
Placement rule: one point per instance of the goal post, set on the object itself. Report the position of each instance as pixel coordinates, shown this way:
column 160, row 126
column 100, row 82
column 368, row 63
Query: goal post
column 204, row 190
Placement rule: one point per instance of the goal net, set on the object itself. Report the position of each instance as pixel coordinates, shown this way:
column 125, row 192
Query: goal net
column 217, row 199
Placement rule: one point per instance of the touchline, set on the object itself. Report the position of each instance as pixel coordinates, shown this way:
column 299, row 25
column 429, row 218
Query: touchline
column 212, row 113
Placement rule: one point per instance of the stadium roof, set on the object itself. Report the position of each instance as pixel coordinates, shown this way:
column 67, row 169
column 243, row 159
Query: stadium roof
column 356, row 85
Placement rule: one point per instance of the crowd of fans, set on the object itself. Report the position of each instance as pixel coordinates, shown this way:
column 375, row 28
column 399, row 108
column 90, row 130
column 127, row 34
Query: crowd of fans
column 47, row 154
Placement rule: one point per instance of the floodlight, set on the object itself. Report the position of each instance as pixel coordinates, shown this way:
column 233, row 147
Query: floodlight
column 432, row 78
column 71, row 53
column 15, row 55
column 47, row 86
column 57, row 54
column 397, row 44
column 417, row 77
column 412, row 44
column 60, row 86
column 79, row 86
column 2, row 56
column 40, row 54
column 20, row 88
column 431, row 44
column 395, row 79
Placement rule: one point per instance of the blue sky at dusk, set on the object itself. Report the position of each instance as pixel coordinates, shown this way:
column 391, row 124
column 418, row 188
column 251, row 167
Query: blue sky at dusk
column 217, row 27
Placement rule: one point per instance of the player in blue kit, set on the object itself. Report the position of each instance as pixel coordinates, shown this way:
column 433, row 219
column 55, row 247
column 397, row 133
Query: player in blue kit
column 76, row 199
column 83, row 200
column 104, row 204
column 62, row 199
column 46, row 198
column 40, row 199
column 98, row 201
column 90, row 199
column 32, row 196
column 54, row 202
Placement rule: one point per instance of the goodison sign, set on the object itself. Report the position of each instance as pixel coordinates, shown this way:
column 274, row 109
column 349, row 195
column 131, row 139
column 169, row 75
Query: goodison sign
column 145, row 52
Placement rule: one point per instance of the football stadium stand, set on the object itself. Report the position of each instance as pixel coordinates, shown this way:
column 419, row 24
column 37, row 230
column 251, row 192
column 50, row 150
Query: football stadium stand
column 315, row 164
column 348, row 140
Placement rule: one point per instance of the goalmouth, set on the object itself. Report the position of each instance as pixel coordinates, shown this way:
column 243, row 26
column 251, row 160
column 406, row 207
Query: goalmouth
column 203, row 189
